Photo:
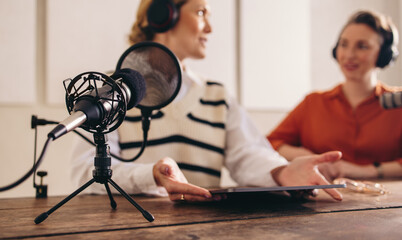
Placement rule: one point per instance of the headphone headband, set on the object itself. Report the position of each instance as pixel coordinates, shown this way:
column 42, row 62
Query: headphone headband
column 162, row 15
column 388, row 52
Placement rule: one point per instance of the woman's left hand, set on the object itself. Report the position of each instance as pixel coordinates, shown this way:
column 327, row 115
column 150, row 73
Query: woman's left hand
column 342, row 168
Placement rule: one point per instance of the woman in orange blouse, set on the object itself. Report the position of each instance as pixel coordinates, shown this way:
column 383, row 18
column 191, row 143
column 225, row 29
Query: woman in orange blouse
column 349, row 117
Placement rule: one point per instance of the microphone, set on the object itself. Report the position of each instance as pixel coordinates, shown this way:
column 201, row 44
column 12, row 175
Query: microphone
column 95, row 108
column 391, row 100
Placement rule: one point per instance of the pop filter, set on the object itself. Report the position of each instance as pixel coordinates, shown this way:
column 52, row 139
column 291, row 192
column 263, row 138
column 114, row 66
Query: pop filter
column 160, row 69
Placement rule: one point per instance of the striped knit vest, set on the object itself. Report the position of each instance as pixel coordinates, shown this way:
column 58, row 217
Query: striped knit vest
column 191, row 131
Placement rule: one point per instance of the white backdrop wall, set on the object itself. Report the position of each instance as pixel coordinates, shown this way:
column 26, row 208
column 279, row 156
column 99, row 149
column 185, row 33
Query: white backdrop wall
column 17, row 56
column 275, row 52
column 269, row 53
column 84, row 36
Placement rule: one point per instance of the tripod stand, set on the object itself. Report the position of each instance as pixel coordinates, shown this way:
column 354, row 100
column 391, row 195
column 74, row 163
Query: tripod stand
column 101, row 174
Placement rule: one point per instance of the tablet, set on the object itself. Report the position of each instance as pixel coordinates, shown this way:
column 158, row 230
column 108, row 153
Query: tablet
column 273, row 189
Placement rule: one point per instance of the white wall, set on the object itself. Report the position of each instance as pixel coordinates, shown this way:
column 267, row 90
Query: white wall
column 17, row 56
column 84, row 36
column 275, row 53
column 73, row 36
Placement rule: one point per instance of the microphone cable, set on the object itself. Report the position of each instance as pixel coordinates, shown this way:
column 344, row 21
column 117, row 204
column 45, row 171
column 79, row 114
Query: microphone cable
column 33, row 169
column 146, row 121
column 35, row 122
column 144, row 144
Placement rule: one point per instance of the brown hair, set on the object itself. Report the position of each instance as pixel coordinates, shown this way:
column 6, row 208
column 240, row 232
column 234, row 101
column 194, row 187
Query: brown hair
column 384, row 27
column 381, row 24
column 140, row 31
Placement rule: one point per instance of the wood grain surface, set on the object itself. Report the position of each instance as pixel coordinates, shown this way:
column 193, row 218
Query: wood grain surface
column 261, row 216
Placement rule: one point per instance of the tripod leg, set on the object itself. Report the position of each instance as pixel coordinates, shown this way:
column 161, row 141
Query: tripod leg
column 112, row 201
column 148, row 216
column 44, row 215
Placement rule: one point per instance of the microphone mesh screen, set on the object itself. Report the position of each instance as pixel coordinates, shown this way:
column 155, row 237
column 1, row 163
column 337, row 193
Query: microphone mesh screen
column 160, row 70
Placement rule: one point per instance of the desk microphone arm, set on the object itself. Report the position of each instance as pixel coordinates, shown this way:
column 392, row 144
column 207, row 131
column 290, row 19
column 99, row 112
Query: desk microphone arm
column 101, row 174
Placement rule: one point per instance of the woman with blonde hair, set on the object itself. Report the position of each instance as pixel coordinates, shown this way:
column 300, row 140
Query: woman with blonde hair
column 201, row 131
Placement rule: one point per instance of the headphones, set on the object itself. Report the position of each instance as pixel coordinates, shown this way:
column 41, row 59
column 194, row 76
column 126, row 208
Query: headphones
column 388, row 53
column 162, row 15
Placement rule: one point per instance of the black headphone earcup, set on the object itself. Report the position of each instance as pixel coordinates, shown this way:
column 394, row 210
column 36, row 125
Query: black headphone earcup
column 385, row 56
column 162, row 15
column 334, row 52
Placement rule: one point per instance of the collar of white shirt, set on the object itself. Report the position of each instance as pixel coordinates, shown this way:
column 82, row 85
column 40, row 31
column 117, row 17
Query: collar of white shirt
column 188, row 78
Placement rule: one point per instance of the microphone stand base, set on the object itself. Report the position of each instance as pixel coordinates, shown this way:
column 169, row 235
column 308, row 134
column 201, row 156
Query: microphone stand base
column 102, row 174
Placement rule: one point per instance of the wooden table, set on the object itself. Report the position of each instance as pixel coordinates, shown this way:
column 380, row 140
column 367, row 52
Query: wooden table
column 358, row 216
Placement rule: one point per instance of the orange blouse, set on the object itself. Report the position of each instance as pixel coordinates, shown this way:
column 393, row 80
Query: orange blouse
column 325, row 121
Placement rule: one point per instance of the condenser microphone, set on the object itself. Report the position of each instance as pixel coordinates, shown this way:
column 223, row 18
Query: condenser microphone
column 391, row 100
column 96, row 101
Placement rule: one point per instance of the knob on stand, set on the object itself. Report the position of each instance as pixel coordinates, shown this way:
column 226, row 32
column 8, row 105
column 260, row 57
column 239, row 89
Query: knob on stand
column 41, row 190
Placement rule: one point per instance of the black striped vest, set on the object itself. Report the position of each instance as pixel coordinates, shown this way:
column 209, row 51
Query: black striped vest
column 191, row 131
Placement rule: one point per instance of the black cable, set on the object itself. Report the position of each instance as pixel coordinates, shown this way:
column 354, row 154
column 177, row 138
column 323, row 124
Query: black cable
column 144, row 144
column 145, row 137
column 34, row 158
column 145, row 121
column 85, row 138
column 35, row 121
column 29, row 173
column 145, row 127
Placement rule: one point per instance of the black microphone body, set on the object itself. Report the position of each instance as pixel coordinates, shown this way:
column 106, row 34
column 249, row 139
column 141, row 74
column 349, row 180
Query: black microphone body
column 96, row 106
column 391, row 100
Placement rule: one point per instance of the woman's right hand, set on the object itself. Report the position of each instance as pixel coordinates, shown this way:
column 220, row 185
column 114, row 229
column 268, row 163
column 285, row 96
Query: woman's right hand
column 168, row 175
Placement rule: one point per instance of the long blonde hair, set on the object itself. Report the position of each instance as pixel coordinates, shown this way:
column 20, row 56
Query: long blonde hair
column 140, row 31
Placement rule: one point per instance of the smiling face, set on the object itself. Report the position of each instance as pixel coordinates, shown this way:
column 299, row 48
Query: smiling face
column 189, row 36
column 357, row 51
